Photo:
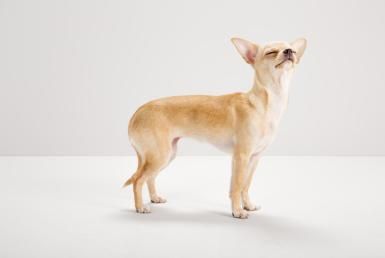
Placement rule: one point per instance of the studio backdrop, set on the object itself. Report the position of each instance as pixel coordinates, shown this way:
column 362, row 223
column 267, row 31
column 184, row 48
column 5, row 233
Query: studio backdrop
column 73, row 72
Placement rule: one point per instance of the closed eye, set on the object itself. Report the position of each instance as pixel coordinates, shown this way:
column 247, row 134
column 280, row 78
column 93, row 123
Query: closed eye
column 271, row 53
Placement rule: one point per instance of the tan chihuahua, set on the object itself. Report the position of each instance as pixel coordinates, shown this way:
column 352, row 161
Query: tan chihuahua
column 243, row 124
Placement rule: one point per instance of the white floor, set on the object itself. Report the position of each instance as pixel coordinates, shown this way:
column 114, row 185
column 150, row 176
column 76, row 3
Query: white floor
column 75, row 207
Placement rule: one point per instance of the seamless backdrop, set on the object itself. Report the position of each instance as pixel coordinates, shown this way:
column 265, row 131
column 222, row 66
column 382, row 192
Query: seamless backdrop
column 72, row 72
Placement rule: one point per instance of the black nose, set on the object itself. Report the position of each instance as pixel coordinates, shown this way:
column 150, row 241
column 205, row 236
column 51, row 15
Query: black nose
column 288, row 51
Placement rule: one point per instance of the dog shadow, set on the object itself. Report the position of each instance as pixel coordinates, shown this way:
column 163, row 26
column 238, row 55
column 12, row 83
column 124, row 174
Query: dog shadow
column 258, row 226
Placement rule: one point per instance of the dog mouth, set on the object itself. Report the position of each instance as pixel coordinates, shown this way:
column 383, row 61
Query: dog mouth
column 287, row 59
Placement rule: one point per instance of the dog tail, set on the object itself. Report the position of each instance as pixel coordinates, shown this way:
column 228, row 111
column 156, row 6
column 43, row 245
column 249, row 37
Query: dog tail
column 133, row 178
column 130, row 180
column 137, row 173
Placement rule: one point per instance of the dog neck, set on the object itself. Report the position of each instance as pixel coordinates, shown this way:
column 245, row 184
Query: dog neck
column 271, row 91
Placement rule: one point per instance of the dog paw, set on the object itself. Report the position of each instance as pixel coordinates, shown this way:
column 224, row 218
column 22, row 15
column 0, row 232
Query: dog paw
column 158, row 199
column 240, row 214
column 252, row 207
column 143, row 210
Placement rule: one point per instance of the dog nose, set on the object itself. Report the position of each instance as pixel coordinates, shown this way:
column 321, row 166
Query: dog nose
column 288, row 51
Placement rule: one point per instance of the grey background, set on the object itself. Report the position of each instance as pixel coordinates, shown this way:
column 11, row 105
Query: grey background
column 72, row 72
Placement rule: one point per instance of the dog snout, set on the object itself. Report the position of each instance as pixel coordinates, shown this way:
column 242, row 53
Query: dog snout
column 288, row 52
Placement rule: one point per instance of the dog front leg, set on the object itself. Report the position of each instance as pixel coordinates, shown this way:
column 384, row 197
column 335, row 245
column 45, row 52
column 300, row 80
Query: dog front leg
column 238, row 178
column 247, row 204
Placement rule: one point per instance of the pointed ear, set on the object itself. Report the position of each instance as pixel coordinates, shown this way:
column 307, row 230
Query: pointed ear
column 247, row 49
column 299, row 46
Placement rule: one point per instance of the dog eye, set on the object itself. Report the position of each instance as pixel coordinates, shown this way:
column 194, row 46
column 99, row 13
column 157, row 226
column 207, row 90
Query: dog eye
column 271, row 53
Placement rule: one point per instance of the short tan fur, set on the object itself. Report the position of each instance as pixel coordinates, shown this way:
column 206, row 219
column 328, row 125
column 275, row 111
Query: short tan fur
column 243, row 124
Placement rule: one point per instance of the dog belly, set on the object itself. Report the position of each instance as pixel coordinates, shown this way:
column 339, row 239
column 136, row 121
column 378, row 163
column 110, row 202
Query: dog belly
column 224, row 143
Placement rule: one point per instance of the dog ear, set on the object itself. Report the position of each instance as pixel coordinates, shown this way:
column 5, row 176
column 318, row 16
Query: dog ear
column 247, row 49
column 299, row 46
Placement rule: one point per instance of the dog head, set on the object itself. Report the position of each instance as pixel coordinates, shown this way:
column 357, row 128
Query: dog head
column 274, row 58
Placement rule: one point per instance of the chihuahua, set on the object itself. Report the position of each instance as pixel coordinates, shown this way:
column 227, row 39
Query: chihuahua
column 243, row 124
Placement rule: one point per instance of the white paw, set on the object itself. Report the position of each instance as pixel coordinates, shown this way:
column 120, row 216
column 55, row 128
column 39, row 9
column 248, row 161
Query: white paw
column 240, row 214
column 252, row 207
column 144, row 209
column 158, row 199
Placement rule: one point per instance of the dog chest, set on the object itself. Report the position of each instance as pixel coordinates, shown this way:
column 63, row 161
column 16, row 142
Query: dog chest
column 267, row 128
